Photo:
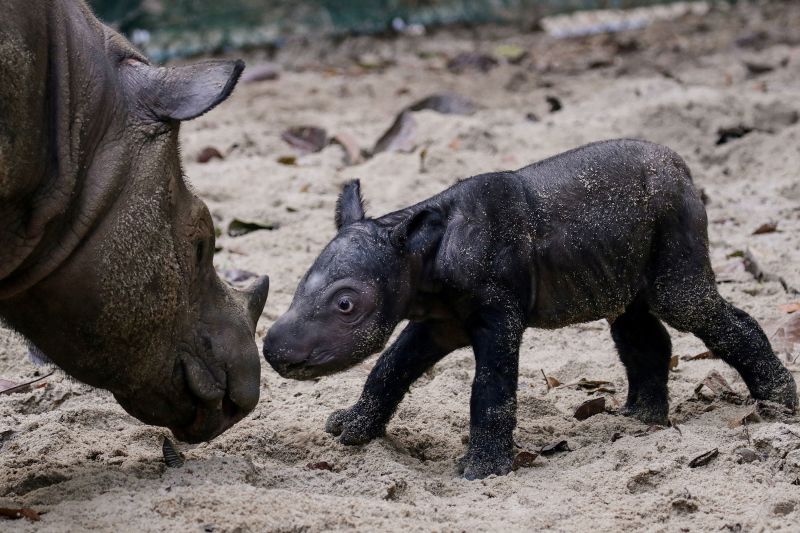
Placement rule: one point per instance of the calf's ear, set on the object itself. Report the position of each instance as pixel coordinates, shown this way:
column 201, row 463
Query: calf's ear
column 178, row 93
column 419, row 232
column 350, row 205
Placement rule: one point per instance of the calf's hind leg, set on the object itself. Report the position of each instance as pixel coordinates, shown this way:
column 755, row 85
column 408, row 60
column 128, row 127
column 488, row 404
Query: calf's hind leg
column 684, row 294
column 645, row 349
column 736, row 338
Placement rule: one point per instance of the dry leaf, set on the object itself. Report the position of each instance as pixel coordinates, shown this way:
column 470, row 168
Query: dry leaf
column 650, row 429
column 400, row 135
column 704, row 459
column 321, row 465
column 524, row 460
column 16, row 514
column 471, row 61
column 262, row 72
column 288, row 160
column 768, row 227
column 719, row 387
column 786, row 334
column 748, row 416
column 307, row 139
column 596, row 385
column 446, row 103
column 512, row 53
column 550, row 381
column 9, row 387
column 207, row 154
column 708, row 354
column 351, row 149
column 555, row 447
column 673, row 362
column 790, row 308
column 590, row 408
column 238, row 227
column 554, row 104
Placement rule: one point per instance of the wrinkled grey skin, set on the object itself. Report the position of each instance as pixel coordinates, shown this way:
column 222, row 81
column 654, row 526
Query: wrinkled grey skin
column 612, row 230
column 105, row 253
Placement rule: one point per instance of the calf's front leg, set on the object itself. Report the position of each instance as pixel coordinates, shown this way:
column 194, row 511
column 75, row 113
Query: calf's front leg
column 419, row 347
column 496, row 339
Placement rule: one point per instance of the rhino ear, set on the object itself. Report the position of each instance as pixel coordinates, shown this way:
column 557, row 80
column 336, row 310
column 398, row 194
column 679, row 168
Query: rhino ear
column 179, row 93
column 419, row 232
column 350, row 205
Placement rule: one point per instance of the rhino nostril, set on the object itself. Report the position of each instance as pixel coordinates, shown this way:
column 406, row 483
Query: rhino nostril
column 201, row 383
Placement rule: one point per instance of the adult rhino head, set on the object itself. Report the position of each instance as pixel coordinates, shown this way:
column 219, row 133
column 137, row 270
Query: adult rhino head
column 105, row 253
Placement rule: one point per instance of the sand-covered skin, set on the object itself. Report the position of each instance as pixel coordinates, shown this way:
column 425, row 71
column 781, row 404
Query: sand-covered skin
column 72, row 453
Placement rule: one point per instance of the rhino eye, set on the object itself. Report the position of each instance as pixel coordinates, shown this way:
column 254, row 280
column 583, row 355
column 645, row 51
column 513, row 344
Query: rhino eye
column 344, row 304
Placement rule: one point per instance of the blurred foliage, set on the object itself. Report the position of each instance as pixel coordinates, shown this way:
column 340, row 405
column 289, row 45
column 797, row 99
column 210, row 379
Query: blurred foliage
column 166, row 29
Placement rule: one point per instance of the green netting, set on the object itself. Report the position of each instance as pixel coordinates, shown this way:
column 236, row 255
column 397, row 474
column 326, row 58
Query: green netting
column 186, row 27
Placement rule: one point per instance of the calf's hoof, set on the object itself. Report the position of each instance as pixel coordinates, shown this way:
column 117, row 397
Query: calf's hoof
column 781, row 389
column 647, row 413
column 478, row 465
column 353, row 426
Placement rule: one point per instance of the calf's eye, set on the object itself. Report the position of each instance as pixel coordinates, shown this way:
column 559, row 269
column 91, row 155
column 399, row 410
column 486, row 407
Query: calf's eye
column 344, row 304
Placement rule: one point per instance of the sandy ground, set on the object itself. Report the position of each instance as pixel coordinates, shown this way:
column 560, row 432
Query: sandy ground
column 72, row 453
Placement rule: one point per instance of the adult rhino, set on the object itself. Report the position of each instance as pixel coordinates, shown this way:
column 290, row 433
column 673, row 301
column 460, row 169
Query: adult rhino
column 105, row 253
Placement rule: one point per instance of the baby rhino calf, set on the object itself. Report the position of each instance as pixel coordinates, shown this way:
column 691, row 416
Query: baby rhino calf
column 612, row 230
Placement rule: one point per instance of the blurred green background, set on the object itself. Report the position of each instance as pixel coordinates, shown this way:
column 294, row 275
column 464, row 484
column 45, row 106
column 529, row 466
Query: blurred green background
column 187, row 27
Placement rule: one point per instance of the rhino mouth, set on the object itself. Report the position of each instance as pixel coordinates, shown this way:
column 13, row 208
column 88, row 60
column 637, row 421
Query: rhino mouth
column 317, row 364
column 209, row 422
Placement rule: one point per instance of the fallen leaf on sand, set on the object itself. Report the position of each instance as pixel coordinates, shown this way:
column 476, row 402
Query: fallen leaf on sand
column 471, row 61
column 550, row 381
column 755, row 68
column 262, row 72
column 321, row 465
column 673, row 362
column 16, row 514
column 524, row 460
column 352, row 152
column 704, row 459
column 307, row 139
column 650, row 429
column 554, row 104
column 207, row 154
column 708, row 354
column 718, row 387
column 511, row 52
column 590, row 408
column 445, row 103
column 555, row 447
column 596, row 385
column 400, row 135
column 785, row 336
column 239, row 227
column 790, row 308
column 747, row 416
column 769, row 227
column 9, row 387
column 288, row 160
